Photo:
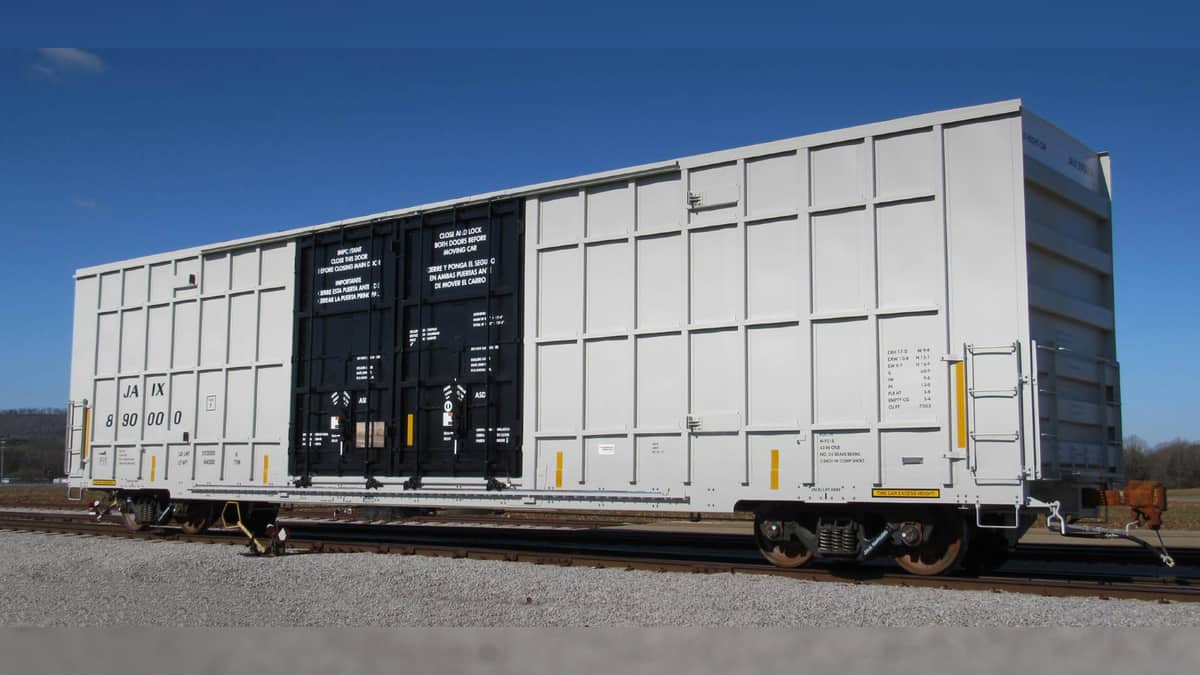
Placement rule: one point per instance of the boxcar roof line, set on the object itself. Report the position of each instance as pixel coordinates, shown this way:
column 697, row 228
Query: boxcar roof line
column 952, row 115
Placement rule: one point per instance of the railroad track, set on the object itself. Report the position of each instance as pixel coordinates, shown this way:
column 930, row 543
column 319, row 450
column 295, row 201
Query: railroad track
column 1119, row 552
column 1124, row 554
column 654, row 551
column 383, row 516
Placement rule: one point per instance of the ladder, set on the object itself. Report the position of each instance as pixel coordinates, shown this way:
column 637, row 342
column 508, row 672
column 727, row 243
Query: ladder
column 79, row 421
column 995, row 449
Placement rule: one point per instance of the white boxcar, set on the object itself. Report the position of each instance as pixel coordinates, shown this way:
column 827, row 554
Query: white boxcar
column 837, row 331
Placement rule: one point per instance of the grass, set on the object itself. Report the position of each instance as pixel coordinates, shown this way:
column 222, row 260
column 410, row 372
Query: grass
column 1179, row 516
column 1183, row 494
column 1183, row 505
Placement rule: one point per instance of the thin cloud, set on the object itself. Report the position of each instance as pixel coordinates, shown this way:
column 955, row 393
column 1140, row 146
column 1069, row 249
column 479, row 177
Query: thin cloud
column 44, row 71
column 86, row 203
column 55, row 61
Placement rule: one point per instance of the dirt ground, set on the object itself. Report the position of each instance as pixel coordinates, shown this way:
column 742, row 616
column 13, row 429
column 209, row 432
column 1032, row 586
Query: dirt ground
column 42, row 496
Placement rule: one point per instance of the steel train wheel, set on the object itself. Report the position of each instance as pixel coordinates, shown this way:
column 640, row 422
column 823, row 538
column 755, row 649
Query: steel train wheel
column 944, row 549
column 197, row 523
column 789, row 554
column 138, row 513
column 130, row 520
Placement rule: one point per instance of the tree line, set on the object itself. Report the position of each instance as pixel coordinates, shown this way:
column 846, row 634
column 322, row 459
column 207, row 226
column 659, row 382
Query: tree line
column 1175, row 463
column 33, row 443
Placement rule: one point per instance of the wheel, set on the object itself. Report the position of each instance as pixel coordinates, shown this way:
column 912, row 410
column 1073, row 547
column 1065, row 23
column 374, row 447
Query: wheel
column 198, row 519
column 138, row 513
column 790, row 553
column 942, row 551
column 130, row 520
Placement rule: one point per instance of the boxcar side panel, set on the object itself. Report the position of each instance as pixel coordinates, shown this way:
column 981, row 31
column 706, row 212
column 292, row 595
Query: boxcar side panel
column 989, row 317
column 186, row 369
column 781, row 323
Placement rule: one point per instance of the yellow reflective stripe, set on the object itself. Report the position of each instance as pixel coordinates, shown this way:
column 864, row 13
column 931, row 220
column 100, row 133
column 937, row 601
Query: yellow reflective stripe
column 153, row 466
column 266, row 467
column 774, row 468
column 87, row 431
column 409, row 436
column 558, row 470
column 960, row 379
column 104, row 481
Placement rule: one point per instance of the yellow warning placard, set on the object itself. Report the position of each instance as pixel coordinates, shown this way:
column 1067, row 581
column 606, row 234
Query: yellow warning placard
column 907, row 493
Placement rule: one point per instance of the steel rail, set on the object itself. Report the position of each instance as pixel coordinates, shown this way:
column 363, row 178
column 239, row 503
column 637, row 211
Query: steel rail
column 1113, row 553
column 490, row 523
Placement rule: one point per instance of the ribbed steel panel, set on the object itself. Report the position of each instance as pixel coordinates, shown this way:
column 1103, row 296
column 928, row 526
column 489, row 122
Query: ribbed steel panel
column 858, row 315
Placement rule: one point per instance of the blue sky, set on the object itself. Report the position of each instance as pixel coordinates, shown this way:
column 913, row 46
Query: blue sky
column 142, row 151
column 612, row 23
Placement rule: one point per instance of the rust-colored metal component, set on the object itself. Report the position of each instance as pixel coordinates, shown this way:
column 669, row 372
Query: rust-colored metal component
column 1146, row 499
column 939, row 552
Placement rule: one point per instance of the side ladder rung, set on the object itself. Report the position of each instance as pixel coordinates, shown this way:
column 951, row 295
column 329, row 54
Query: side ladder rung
column 993, row 393
column 996, row 438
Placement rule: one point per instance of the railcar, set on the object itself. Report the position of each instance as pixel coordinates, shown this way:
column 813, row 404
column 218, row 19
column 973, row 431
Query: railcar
column 891, row 339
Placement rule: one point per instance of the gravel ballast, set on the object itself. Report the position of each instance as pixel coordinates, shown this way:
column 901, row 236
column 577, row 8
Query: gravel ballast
column 60, row 580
